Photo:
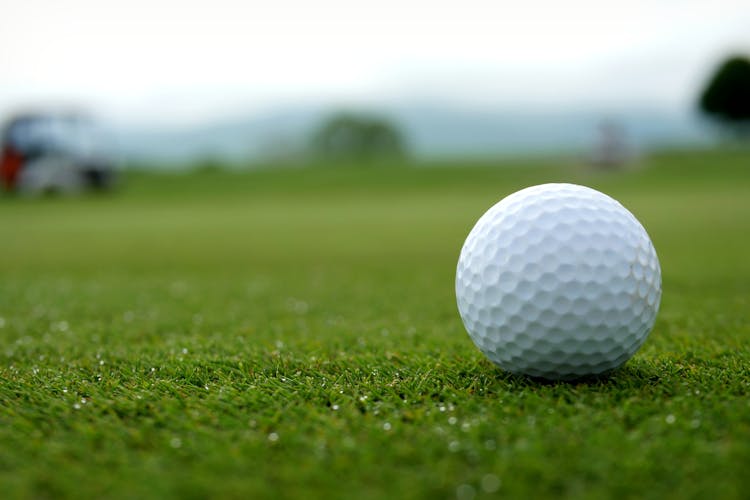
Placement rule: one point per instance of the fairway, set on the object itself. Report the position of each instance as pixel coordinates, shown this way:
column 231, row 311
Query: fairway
column 293, row 333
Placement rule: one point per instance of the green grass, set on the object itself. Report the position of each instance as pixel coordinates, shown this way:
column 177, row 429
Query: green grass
column 294, row 333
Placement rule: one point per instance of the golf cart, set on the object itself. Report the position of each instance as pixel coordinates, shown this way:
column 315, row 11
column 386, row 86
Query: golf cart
column 53, row 153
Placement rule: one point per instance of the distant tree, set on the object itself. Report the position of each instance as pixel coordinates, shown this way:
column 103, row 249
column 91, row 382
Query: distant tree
column 726, row 97
column 357, row 138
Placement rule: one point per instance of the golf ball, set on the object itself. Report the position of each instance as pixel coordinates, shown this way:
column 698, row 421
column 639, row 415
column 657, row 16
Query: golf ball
column 558, row 281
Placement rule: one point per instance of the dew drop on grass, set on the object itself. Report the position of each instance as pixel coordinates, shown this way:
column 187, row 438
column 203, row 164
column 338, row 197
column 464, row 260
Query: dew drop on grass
column 465, row 492
column 387, row 426
column 452, row 420
column 335, row 407
column 178, row 288
column 301, row 307
column 670, row 419
column 273, row 437
column 490, row 483
column 454, row 446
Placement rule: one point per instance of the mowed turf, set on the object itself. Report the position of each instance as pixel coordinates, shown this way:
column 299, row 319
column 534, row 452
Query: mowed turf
column 293, row 334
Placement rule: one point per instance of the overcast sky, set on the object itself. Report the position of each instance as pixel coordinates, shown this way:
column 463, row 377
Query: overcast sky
column 181, row 61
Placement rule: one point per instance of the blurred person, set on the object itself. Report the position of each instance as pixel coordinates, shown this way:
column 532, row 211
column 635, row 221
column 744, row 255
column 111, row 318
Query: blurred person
column 611, row 149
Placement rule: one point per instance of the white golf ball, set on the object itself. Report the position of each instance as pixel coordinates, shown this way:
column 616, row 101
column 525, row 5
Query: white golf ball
column 558, row 281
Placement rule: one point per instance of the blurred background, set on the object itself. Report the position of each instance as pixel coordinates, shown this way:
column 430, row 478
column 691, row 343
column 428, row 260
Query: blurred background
column 171, row 84
column 311, row 134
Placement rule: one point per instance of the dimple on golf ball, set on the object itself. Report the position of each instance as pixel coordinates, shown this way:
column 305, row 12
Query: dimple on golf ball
column 558, row 281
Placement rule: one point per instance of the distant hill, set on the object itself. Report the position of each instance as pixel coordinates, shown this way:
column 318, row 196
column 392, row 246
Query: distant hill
column 431, row 132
